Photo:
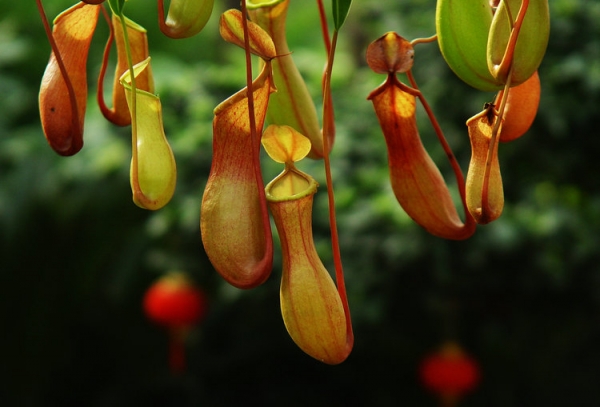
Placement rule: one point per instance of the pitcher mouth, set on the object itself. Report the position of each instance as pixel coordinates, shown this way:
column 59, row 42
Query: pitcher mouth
column 290, row 185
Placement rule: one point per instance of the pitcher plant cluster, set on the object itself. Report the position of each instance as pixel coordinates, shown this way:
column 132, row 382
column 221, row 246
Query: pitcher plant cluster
column 494, row 45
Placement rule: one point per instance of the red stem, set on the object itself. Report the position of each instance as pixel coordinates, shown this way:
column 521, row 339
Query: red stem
column 251, row 113
column 324, row 27
column 458, row 174
column 161, row 15
column 61, row 65
column 164, row 28
column 335, row 244
column 505, row 64
column 100, row 93
column 252, row 117
column 327, row 109
column 493, row 144
column 253, row 134
column 507, row 60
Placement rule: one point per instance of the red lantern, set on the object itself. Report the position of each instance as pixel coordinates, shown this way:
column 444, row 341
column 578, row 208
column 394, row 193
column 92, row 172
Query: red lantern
column 176, row 304
column 450, row 373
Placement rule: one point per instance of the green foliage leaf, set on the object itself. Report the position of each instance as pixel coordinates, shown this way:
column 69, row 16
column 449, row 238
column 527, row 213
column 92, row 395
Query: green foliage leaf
column 340, row 10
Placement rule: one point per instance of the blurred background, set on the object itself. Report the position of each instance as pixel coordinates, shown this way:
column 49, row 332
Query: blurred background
column 522, row 296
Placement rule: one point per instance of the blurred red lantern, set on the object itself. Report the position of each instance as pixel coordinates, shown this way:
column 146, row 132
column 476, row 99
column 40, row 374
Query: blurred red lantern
column 450, row 373
column 175, row 303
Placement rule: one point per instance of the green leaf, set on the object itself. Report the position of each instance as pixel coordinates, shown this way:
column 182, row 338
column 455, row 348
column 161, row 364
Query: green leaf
column 340, row 10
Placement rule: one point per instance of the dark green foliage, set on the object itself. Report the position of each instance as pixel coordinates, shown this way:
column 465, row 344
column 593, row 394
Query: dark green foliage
column 339, row 10
column 76, row 255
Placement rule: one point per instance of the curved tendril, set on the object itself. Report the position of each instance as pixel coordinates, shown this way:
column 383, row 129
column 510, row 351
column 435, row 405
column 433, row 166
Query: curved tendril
column 251, row 117
column 324, row 27
column 424, row 40
column 161, row 16
column 100, row 93
column 134, row 152
column 251, row 113
column 458, row 174
column 61, row 65
column 161, row 13
column 328, row 109
column 337, row 258
column 507, row 60
column 493, row 141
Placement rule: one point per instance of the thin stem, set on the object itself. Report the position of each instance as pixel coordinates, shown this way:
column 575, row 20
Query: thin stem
column 161, row 15
column 252, row 117
column 162, row 24
column 100, row 93
column 134, row 135
column 494, row 144
column 61, row 66
column 251, row 113
column 458, row 174
column 328, row 110
column 324, row 26
column 426, row 40
column 335, row 244
column 507, row 59
column 255, row 138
